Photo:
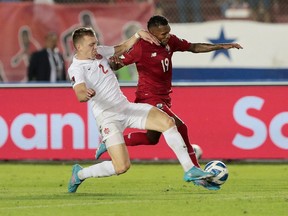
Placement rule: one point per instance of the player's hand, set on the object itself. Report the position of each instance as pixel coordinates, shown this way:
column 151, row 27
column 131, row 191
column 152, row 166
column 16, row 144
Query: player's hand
column 115, row 63
column 145, row 35
column 232, row 45
column 90, row 93
column 116, row 60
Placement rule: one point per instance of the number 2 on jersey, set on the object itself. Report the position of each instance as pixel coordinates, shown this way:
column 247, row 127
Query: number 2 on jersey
column 165, row 64
column 103, row 70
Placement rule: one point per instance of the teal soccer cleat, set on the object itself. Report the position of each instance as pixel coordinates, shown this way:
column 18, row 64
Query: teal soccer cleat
column 195, row 174
column 101, row 150
column 74, row 180
column 206, row 184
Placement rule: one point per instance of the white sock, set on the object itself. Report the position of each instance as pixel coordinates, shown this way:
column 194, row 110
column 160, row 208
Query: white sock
column 103, row 169
column 177, row 144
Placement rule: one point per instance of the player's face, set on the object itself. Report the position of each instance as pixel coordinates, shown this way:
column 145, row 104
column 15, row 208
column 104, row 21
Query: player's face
column 162, row 33
column 88, row 47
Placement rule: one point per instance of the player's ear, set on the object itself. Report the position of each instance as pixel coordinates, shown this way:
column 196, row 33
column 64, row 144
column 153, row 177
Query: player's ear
column 77, row 45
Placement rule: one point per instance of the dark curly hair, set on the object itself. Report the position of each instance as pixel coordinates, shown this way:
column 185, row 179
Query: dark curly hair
column 156, row 21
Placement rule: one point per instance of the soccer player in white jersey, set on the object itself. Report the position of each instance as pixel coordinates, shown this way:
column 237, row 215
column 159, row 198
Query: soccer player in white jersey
column 93, row 79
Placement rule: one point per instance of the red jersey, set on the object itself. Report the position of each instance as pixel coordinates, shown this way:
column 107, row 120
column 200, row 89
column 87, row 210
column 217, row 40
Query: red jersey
column 154, row 67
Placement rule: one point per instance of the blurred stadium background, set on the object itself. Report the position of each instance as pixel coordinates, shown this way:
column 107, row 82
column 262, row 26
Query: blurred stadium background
column 207, row 10
column 274, row 11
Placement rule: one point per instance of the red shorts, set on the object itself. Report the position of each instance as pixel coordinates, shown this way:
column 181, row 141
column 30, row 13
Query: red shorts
column 163, row 103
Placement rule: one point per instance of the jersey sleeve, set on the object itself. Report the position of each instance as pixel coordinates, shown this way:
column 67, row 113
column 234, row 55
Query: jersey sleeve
column 76, row 76
column 133, row 55
column 180, row 44
column 106, row 51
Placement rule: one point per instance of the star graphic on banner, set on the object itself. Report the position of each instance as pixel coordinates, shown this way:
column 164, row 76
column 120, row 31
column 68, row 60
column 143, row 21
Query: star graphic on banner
column 221, row 39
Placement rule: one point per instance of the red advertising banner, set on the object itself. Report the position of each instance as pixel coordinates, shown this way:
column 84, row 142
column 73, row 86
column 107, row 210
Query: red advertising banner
column 24, row 26
column 228, row 122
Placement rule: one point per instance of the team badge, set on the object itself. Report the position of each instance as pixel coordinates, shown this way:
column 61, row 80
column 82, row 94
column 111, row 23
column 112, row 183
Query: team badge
column 167, row 48
column 106, row 131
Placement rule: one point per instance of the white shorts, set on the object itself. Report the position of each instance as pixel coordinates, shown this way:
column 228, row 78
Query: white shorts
column 114, row 121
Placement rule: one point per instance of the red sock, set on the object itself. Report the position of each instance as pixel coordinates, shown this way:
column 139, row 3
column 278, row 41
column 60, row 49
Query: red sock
column 183, row 130
column 136, row 138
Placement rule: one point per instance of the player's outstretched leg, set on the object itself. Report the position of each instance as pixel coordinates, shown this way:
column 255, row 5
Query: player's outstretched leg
column 204, row 183
column 101, row 150
column 74, row 180
column 196, row 173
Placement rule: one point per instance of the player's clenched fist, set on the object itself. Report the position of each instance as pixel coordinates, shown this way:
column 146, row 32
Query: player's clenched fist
column 90, row 93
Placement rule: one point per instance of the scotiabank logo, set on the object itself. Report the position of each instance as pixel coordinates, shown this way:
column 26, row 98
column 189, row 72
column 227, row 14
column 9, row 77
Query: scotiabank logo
column 48, row 131
column 261, row 130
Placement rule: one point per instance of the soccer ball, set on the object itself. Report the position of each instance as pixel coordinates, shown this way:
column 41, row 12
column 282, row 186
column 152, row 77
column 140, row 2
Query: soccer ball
column 219, row 169
column 198, row 151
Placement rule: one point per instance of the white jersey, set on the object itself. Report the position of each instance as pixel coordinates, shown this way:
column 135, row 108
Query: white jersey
column 97, row 74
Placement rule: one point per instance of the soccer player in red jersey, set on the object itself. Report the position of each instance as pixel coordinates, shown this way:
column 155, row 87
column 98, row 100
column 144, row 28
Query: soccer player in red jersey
column 154, row 65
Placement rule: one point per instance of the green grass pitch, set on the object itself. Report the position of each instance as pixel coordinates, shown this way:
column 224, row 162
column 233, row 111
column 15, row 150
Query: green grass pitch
column 146, row 189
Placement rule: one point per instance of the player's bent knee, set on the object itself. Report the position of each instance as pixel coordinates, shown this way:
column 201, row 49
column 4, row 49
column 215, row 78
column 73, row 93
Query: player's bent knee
column 170, row 122
column 120, row 169
column 159, row 121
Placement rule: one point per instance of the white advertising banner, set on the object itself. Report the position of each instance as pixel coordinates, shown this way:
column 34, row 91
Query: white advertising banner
column 264, row 45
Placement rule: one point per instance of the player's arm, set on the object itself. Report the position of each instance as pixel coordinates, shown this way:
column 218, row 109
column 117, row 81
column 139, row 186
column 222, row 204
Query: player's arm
column 205, row 47
column 83, row 93
column 126, row 45
column 116, row 63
